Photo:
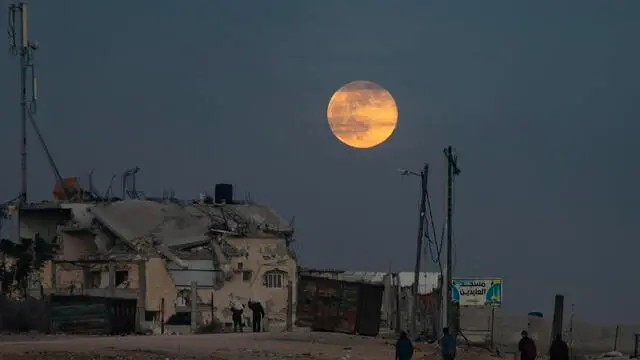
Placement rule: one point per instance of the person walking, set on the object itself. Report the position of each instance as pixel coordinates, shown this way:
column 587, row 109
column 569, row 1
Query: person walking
column 447, row 345
column 404, row 347
column 236, row 315
column 558, row 349
column 527, row 347
column 257, row 314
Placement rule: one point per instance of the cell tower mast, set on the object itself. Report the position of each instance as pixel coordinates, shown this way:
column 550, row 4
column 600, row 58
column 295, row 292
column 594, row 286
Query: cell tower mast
column 25, row 49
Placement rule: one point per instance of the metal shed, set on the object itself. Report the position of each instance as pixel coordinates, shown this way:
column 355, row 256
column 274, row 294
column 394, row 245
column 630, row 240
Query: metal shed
column 339, row 305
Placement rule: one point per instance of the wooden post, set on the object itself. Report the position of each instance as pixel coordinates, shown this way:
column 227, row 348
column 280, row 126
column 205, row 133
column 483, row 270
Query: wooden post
column 440, row 299
column 162, row 316
column 194, row 306
column 558, row 313
column 289, row 306
column 213, row 308
column 493, row 326
column 398, row 305
column 615, row 339
column 142, row 295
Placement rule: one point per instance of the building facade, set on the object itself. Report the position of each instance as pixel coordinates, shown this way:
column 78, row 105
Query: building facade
column 163, row 252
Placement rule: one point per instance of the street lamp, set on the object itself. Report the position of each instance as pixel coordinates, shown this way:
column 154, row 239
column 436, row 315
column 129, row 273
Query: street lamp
column 405, row 172
column 416, row 278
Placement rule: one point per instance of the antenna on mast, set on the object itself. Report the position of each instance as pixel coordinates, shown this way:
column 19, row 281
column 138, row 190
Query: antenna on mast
column 29, row 94
column 25, row 49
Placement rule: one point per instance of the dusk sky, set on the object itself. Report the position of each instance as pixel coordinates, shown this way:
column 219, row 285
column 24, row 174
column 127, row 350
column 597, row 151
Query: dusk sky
column 536, row 96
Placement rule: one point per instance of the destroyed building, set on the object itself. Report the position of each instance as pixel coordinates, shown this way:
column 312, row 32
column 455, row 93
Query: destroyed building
column 156, row 250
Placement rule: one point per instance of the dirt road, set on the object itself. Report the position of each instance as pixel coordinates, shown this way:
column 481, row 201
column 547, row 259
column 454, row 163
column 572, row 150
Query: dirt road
column 247, row 346
column 318, row 346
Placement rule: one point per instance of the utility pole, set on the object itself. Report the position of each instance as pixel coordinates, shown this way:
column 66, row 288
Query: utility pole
column 416, row 275
column 452, row 171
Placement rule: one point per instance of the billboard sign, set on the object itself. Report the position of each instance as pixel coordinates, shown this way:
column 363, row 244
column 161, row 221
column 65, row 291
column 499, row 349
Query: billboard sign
column 477, row 291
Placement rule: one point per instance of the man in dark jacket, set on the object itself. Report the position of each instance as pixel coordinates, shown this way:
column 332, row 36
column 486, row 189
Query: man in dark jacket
column 527, row 347
column 447, row 345
column 559, row 349
column 258, row 313
column 404, row 347
column 236, row 316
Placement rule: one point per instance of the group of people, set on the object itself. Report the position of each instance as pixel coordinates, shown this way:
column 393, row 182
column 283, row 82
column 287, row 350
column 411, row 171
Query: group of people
column 404, row 346
column 526, row 347
column 559, row 350
column 257, row 314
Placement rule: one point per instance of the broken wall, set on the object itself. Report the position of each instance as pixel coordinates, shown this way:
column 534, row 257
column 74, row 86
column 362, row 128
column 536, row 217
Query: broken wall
column 261, row 272
column 73, row 246
column 87, row 278
column 160, row 285
column 43, row 222
column 76, row 245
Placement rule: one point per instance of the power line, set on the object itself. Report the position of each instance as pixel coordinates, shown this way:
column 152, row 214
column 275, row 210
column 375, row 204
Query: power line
column 435, row 255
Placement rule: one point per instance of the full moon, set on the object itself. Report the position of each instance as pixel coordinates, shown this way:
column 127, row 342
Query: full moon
column 362, row 114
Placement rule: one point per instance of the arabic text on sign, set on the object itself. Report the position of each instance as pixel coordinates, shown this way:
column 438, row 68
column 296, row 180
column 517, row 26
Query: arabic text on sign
column 473, row 292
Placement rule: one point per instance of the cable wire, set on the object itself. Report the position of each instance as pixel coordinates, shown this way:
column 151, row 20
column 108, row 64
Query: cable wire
column 435, row 255
column 11, row 30
column 46, row 149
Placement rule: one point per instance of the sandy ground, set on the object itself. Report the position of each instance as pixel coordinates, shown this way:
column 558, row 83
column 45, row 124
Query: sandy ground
column 265, row 346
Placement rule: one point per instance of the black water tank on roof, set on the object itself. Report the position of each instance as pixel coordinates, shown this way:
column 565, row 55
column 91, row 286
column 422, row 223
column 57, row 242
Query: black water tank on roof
column 223, row 193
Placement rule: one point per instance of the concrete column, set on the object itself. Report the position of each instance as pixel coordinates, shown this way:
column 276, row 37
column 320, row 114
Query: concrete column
column 86, row 279
column 558, row 315
column 54, row 276
column 112, row 279
column 290, row 305
column 194, row 306
column 386, row 300
column 142, row 295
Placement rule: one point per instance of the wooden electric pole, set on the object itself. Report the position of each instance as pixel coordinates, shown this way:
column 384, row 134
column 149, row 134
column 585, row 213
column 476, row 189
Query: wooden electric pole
column 416, row 274
column 452, row 171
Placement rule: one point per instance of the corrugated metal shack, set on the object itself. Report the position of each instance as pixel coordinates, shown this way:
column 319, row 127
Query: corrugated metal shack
column 81, row 314
column 339, row 305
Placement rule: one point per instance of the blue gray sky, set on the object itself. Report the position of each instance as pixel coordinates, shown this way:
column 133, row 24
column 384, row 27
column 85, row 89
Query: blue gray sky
column 537, row 97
